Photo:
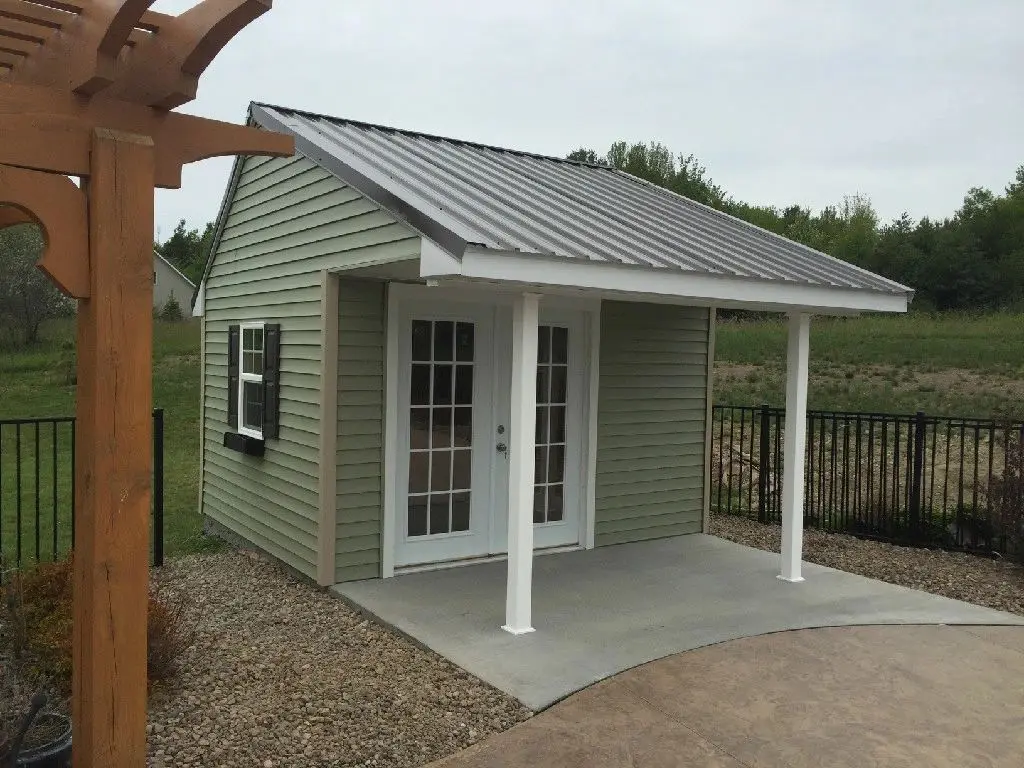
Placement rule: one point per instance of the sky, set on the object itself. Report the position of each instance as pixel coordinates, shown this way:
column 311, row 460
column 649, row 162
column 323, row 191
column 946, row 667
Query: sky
column 909, row 102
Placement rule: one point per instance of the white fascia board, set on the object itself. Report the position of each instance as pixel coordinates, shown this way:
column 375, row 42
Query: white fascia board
column 200, row 303
column 654, row 285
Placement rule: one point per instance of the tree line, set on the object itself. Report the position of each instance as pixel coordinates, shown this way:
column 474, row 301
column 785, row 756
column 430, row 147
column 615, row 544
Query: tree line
column 973, row 260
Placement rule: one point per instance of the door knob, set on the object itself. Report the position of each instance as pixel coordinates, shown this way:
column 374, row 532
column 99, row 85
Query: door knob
column 501, row 448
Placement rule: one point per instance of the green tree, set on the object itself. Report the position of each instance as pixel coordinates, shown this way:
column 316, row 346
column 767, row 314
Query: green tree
column 27, row 296
column 187, row 249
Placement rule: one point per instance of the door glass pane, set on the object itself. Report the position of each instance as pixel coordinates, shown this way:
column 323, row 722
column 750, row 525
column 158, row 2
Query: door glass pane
column 419, row 469
column 439, row 508
column 440, row 435
column 419, row 428
column 421, row 341
column 463, row 384
column 252, row 404
column 463, row 427
column 560, row 345
column 460, row 511
column 417, row 515
column 552, row 396
column 444, row 341
column 464, row 342
column 440, row 471
column 442, row 384
column 419, row 387
column 462, row 469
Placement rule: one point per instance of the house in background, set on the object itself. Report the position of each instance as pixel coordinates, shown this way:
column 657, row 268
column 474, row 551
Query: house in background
column 421, row 352
column 169, row 281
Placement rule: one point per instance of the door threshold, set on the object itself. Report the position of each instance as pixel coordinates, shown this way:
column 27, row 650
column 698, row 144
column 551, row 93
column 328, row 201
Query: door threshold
column 420, row 567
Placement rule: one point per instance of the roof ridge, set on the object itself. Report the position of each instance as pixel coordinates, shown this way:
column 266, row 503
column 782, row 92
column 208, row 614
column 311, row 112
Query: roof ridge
column 431, row 136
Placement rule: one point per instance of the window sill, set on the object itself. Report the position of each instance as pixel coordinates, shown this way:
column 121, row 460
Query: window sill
column 250, row 446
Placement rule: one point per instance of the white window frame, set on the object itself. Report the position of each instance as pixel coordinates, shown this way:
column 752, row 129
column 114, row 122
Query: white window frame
column 250, row 377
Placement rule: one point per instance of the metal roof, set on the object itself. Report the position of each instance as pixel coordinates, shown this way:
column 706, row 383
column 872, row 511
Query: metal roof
column 458, row 193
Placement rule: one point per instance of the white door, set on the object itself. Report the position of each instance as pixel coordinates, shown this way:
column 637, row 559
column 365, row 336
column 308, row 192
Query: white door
column 445, row 452
column 560, row 436
column 453, row 404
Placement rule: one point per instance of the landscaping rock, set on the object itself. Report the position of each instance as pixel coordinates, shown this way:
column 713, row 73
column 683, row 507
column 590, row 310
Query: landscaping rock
column 283, row 674
column 995, row 584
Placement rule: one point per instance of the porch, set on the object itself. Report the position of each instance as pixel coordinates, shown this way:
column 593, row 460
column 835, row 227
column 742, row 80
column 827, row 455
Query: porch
column 606, row 610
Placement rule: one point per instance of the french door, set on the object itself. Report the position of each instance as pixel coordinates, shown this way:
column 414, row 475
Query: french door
column 454, row 407
column 443, row 474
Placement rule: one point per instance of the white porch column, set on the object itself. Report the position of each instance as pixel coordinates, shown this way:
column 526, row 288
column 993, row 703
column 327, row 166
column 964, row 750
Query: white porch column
column 521, row 441
column 794, row 446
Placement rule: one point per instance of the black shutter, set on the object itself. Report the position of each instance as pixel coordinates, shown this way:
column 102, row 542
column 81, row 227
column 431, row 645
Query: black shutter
column 271, row 379
column 234, row 343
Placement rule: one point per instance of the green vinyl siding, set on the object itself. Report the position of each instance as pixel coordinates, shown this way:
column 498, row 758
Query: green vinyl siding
column 287, row 221
column 360, row 458
column 652, row 406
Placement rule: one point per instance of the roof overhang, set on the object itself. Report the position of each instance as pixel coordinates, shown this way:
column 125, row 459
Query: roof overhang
column 654, row 285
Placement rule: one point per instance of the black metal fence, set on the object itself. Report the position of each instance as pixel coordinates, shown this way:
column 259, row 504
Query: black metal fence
column 955, row 483
column 37, row 489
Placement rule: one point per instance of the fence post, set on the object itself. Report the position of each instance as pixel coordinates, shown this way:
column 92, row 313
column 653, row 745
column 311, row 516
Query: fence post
column 764, row 464
column 916, row 477
column 158, row 486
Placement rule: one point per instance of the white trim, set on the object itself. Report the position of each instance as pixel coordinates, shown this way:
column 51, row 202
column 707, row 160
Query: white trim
column 522, row 429
column 199, row 306
column 391, row 377
column 677, row 286
column 593, row 392
column 250, row 377
column 794, row 444
column 708, row 413
column 202, row 407
column 501, row 557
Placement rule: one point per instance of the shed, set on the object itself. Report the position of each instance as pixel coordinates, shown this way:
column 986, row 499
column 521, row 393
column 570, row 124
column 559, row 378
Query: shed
column 420, row 352
column 169, row 281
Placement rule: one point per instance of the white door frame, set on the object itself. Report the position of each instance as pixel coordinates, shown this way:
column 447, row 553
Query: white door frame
column 399, row 294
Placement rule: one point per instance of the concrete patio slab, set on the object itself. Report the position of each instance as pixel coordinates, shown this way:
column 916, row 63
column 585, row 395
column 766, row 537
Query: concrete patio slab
column 844, row 697
column 602, row 611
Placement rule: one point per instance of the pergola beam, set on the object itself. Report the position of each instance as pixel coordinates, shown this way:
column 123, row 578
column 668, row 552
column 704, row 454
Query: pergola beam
column 23, row 30
column 34, row 14
column 15, row 45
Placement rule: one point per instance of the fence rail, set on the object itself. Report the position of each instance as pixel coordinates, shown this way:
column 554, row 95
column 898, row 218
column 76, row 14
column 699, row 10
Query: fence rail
column 37, row 489
column 914, row 479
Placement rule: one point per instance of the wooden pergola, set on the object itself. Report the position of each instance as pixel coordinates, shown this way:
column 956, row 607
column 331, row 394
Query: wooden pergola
column 88, row 89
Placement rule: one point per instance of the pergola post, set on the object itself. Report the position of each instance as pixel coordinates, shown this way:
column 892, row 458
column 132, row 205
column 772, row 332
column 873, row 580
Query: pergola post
column 522, row 446
column 114, row 436
column 797, row 356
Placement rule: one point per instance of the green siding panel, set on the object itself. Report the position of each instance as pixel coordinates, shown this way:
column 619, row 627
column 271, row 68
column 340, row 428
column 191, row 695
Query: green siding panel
column 288, row 221
column 360, row 457
column 651, row 413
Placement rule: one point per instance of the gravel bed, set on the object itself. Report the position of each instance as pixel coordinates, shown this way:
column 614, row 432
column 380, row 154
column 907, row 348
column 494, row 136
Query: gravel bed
column 282, row 674
column 993, row 583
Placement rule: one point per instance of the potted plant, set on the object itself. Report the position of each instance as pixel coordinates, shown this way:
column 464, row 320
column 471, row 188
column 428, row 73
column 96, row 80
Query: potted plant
column 36, row 738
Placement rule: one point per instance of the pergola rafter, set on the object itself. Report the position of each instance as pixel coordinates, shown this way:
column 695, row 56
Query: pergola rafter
column 87, row 89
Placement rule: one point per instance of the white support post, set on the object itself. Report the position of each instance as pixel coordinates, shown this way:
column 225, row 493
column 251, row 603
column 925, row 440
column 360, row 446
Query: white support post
column 794, row 446
column 522, row 430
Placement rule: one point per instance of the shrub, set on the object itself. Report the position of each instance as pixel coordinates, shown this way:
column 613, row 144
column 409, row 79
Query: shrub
column 1006, row 497
column 172, row 311
column 38, row 603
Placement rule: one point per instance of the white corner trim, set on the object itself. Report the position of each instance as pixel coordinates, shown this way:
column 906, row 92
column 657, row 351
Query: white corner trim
column 657, row 284
column 199, row 308
column 590, row 484
column 794, row 445
column 391, row 375
column 202, row 410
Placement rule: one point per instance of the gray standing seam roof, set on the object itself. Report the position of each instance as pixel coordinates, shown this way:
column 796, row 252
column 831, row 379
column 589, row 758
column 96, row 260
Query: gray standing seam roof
column 459, row 193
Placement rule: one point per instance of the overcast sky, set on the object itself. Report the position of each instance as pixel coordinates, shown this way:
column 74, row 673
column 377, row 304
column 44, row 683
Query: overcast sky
column 910, row 102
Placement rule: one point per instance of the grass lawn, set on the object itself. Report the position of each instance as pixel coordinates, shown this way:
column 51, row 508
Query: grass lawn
column 953, row 365
column 38, row 383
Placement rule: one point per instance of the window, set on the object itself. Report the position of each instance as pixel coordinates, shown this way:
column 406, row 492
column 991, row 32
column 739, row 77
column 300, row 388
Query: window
column 254, row 373
column 250, row 390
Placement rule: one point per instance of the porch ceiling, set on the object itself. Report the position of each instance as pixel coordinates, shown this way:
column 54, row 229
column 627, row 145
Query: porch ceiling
column 599, row 612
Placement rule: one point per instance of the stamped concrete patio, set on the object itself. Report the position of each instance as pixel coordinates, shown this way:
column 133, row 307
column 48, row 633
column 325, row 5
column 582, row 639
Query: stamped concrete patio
column 599, row 612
